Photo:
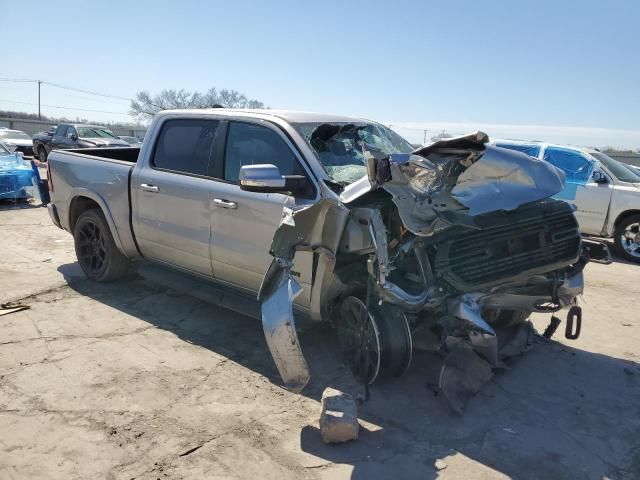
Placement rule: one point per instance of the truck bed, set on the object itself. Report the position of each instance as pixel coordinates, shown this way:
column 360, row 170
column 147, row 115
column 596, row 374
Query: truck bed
column 102, row 175
column 125, row 154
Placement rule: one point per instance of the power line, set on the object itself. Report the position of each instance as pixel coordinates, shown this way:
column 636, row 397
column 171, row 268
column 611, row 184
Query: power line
column 88, row 92
column 64, row 87
column 64, row 108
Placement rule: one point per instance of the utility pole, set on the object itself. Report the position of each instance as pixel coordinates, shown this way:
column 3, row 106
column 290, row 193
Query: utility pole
column 39, row 83
column 425, row 136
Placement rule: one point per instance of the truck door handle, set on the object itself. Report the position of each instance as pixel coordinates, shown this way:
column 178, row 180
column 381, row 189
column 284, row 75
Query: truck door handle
column 218, row 202
column 145, row 187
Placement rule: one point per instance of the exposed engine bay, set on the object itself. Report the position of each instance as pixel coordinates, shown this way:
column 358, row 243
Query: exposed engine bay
column 460, row 238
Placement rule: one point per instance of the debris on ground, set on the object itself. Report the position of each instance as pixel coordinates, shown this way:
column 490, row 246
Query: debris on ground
column 520, row 342
column 6, row 308
column 440, row 464
column 338, row 417
column 462, row 375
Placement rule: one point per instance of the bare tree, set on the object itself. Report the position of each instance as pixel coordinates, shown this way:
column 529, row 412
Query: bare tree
column 145, row 106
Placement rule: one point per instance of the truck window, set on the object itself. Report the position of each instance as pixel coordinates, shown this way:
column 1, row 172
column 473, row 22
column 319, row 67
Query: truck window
column 249, row 144
column 61, row 130
column 577, row 166
column 70, row 132
column 531, row 150
column 185, row 145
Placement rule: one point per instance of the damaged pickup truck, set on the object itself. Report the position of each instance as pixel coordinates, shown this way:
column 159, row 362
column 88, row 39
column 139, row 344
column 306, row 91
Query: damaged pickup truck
column 459, row 239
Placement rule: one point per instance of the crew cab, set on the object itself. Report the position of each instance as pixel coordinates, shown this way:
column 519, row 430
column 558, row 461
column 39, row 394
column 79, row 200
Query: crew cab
column 606, row 193
column 334, row 219
column 75, row 135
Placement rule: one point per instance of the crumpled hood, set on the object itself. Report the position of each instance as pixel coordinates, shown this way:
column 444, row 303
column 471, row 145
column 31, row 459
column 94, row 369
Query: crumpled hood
column 105, row 142
column 451, row 181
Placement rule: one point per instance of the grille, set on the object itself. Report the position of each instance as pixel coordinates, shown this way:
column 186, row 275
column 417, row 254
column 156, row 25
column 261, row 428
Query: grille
column 533, row 239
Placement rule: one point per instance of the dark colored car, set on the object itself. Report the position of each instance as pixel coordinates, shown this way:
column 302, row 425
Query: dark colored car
column 73, row 135
column 42, row 143
column 17, row 141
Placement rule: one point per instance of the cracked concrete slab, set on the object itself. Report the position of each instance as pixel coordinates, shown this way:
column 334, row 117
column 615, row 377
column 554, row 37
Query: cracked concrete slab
column 130, row 380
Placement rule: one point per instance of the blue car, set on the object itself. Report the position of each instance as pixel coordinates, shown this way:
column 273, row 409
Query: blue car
column 16, row 176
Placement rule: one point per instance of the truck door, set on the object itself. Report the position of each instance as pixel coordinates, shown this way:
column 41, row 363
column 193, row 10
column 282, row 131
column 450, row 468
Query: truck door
column 170, row 196
column 243, row 223
column 58, row 140
column 590, row 198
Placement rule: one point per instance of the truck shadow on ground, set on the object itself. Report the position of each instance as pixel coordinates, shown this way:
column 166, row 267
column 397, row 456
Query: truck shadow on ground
column 561, row 412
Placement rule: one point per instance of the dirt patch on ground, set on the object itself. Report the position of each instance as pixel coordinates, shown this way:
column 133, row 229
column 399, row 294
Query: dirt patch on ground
column 129, row 380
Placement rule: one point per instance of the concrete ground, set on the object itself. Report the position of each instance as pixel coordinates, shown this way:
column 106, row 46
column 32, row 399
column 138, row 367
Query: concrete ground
column 130, row 380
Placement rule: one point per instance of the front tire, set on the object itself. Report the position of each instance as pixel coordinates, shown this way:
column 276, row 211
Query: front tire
column 377, row 341
column 627, row 239
column 42, row 154
column 96, row 251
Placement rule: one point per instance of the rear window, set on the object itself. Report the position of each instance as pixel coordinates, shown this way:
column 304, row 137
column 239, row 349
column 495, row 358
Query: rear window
column 529, row 149
column 185, row 145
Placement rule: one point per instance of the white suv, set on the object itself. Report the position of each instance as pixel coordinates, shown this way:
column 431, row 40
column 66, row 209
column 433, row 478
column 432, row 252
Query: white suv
column 605, row 192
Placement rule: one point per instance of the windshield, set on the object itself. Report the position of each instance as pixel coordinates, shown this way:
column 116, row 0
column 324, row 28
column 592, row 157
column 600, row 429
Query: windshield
column 93, row 132
column 620, row 170
column 14, row 134
column 130, row 140
column 340, row 146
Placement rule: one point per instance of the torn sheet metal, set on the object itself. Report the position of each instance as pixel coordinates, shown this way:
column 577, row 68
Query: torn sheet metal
column 503, row 179
column 451, row 181
column 481, row 335
column 280, row 332
column 317, row 228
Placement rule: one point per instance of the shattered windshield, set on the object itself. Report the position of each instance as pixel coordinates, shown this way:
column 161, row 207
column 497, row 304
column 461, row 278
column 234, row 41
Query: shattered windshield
column 340, row 147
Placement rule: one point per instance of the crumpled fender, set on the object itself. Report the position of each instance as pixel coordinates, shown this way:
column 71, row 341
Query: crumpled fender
column 318, row 228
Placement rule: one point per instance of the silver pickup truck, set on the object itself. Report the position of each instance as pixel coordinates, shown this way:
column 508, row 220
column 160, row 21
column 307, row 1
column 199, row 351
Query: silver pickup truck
column 337, row 219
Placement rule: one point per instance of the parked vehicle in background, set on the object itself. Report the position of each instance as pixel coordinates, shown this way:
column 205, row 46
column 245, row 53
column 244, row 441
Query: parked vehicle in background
column 364, row 231
column 75, row 135
column 132, row 141
column 18, row 141
column 16, row 175
column 42, row 143
column 606, row 192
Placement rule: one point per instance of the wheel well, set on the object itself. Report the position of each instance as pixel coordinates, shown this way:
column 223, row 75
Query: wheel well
column 79, row 205
column 624, row 215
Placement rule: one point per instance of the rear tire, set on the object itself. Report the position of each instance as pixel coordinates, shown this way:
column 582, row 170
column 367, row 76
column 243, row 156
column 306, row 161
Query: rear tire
column 42, row 154
column 626, row 239
column 96, row 251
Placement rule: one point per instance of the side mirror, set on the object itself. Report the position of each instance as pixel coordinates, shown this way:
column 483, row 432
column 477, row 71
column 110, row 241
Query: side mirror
column 599, row 177
column 266, row 178
column 50, row 134
column 74, row 137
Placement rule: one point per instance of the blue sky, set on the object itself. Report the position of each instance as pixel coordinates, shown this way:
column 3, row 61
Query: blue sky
column 565, row 70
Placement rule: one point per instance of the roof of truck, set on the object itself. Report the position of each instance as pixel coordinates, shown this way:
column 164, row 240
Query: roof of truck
column 291, row 116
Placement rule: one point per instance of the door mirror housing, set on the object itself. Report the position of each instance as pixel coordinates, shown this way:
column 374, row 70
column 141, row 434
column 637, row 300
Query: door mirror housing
column 74, row 137
column 599, row 177
column 266, row 178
